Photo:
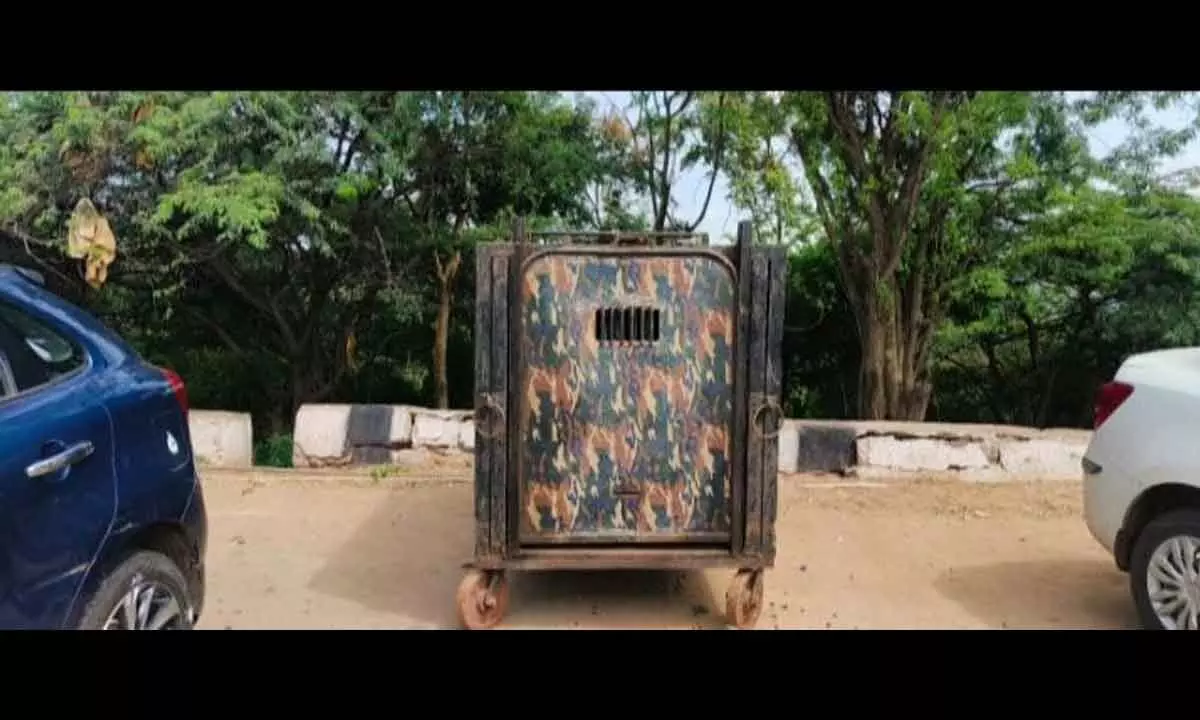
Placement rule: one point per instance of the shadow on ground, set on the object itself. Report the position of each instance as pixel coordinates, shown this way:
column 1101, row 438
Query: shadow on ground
column 614, row 599
column 1043, row 594
column 406, row 560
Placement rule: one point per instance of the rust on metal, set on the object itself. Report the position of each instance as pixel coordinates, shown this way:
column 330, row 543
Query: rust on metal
column 606, row 558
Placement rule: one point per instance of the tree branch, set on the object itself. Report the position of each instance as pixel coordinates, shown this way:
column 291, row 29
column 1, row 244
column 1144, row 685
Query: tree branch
column 269, row 309
column 718, row 154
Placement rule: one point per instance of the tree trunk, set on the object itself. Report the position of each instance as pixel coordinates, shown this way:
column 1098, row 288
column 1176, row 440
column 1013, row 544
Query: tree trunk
column 892, row 383
column 872, row 388
column 440, row 341
column 299, row 388
column 917, row 406
column 446, row 275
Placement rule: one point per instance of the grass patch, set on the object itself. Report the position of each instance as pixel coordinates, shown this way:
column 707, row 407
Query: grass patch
column 275, row 451
column 382, row 472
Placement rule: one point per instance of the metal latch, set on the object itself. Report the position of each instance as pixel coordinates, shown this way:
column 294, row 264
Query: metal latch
column 489, row 416
column 765, row 406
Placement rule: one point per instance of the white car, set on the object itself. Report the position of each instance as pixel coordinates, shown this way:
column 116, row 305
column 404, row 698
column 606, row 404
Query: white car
column 1141, row 491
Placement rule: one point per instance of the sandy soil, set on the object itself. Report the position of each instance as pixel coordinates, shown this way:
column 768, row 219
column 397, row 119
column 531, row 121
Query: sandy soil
column 315, row 551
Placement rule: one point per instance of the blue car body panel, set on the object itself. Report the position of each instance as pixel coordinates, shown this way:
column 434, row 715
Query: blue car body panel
column 60, row 532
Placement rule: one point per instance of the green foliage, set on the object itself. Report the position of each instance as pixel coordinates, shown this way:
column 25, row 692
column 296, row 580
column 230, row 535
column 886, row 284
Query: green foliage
column 759, row 168
column 278, row 248
column 820, row 346
column 278, row 244
column 275, row 451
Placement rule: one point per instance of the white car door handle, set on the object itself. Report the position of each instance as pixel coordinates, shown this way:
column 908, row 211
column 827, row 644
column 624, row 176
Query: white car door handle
column 64, row 459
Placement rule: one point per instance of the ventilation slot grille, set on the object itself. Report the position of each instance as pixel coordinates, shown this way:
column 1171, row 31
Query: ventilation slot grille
column 628, row 325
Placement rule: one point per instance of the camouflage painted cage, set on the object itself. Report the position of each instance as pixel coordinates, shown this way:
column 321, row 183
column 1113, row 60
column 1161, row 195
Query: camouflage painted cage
column 627, row 401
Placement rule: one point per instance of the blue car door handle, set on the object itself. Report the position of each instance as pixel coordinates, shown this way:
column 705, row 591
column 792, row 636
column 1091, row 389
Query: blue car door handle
column 60, row 461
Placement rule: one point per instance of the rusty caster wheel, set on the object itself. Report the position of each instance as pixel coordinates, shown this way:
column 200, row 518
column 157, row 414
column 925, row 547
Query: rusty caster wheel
column 744, row 599
column 482, row 599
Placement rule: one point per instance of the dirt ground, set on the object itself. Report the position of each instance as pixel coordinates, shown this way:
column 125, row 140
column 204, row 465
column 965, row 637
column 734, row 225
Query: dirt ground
column 310, row 551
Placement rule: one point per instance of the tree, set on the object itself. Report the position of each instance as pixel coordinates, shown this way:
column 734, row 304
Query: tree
column 280, row 248
column 263, row 217
column 761, row 167
column 1105, row 276
column 666, row 133
column 870, row 159
column 483, row 158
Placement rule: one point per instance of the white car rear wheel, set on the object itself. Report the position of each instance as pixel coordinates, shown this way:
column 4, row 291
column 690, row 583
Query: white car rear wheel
column 1165, row 573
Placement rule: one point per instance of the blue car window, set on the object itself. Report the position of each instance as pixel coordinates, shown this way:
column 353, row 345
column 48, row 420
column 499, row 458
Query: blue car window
column 33, row 353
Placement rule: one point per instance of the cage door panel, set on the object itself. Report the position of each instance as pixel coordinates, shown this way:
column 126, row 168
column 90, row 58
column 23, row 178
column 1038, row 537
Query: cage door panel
column 627, row 382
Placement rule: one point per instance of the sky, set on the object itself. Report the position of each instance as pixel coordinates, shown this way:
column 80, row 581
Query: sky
column 722, row 218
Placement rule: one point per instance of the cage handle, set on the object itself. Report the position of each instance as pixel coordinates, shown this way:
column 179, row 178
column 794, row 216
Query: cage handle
column 765, row 405
column 489, row 416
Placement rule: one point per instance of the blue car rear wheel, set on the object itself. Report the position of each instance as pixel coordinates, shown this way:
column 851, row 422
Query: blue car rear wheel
column 144, row 592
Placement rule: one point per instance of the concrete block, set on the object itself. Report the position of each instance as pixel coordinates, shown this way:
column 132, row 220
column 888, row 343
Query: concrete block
column 1048, row 459
column 920, row 453
column 349, row 434
column 789, row 444
column 319, row 434
column 825, row 448
column 374, row 431
column 221, row 439
column 435, row 429
column 466, row 435
column 409, row 457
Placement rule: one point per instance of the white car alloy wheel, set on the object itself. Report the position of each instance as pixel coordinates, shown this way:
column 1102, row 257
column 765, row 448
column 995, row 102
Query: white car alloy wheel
column 1173, row 582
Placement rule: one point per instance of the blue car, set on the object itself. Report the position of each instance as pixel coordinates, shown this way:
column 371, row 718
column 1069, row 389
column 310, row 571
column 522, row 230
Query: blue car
column 102, row 517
